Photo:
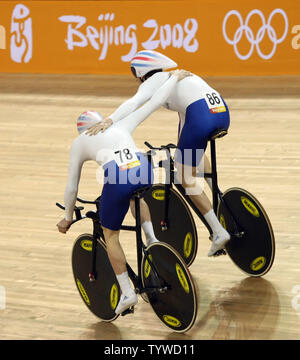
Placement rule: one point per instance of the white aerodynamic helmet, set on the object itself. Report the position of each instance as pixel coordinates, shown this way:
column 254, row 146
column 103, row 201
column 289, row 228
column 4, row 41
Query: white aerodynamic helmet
column 148, row 60
column 88, row 119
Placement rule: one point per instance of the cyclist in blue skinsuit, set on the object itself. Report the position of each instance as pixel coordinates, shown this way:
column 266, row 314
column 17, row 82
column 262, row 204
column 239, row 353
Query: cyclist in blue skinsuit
column 201, row 111
column 126, row 170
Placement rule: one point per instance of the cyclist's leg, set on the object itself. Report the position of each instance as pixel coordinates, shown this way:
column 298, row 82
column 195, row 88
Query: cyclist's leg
column 219, row 235
column 146, row 221
column 146, row 178
column 194, row 136
column 114, row 250
column 118, row 262
column 115, row 207
column 193, row 185
column 115, row 201
column 114, row 204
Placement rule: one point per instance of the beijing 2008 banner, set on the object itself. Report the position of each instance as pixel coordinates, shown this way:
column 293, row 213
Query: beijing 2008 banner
column 233, row 37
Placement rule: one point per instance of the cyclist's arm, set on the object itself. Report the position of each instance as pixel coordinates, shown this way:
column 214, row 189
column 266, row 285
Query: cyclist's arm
column 157, row 100
column 144, row 93
column 75, row 166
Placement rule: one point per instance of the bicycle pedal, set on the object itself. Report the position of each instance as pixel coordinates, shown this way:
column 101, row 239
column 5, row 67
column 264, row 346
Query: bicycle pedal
column 92, row 277
column 220, row 252
column 128, row 311
column 163, row 225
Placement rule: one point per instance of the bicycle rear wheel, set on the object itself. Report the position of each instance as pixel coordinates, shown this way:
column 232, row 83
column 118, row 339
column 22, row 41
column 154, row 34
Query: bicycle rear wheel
column 254, row 251
column 176, row 307
column 101, row 296
column 181, row 233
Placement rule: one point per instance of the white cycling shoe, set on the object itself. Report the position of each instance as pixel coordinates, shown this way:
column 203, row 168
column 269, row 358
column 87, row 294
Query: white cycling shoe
column 126, row 302
column 219, row 241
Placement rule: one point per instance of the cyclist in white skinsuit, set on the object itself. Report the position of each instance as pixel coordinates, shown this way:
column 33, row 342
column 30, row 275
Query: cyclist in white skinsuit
column 126, row 170
column 201, row 111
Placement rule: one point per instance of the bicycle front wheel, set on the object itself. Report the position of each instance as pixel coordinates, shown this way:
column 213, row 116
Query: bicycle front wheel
column 176, row 304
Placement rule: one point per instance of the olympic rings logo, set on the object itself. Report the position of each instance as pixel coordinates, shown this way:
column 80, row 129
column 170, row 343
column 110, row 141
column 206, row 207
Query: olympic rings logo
column 255, row 40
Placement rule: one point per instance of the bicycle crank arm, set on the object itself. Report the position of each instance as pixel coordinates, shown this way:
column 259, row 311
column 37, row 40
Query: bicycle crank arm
column 154, row 289
column 128, row 311
column 239, row 234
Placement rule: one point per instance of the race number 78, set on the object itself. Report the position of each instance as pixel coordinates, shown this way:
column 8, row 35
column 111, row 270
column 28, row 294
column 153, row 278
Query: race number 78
column 124, row 155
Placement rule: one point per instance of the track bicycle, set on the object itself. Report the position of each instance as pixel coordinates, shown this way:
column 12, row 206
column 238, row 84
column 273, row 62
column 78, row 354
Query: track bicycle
column 163, row 279
column 252, row 243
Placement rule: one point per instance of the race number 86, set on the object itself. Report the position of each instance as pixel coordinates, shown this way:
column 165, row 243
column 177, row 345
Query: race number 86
column 213, row 98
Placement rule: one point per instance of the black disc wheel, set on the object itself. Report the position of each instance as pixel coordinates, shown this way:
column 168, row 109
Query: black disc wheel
column 252, row 244
column 101, row 296
column 181, row 232
column 169, row 286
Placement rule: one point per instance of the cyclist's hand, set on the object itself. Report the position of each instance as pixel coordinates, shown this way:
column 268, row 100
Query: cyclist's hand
column 101, row 126
column 63, row 225
column 181, row 74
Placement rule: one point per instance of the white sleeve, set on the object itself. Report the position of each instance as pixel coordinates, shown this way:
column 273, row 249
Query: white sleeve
column 158, row 99
column 144, row 93
column 75, row 166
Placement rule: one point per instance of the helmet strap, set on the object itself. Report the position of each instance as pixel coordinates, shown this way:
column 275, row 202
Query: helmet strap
column 149, row 74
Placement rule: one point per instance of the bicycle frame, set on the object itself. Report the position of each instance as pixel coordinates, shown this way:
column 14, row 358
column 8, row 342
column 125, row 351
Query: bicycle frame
column 141, row 250
column 140, row 247
column 169, row 166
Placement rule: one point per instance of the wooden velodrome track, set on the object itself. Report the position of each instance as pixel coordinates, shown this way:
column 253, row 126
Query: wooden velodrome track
column 261, row 153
